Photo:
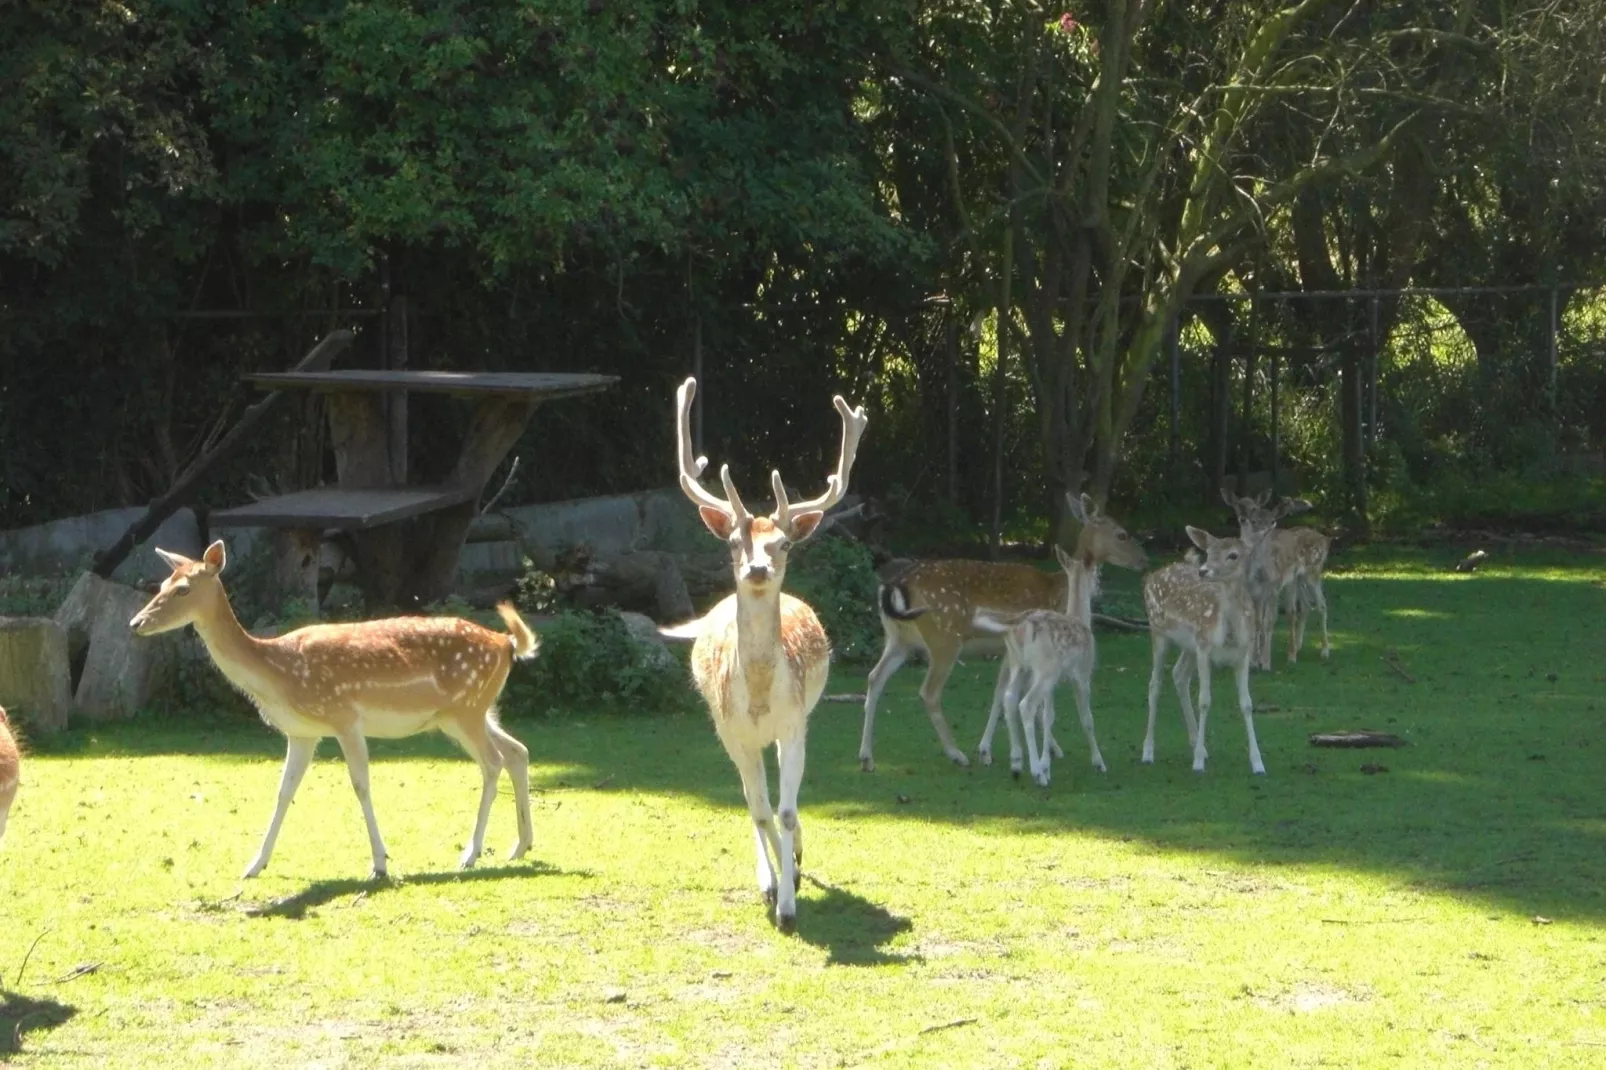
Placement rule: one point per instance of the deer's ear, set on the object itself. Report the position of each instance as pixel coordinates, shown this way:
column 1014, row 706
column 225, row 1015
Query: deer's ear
column 1077, row 506
column 1263, row 497
column 215, row 557
column 1065, row 559
column 803, row 524
column 718, row 521
column 174, row 561
column 1200, row 538
column 1231, row 499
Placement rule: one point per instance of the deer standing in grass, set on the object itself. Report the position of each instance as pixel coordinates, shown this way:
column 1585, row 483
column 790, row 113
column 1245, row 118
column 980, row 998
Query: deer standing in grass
column 10, row 771
column 380, row 679
column 1288, row 568
column 1205, row 608
column 933, row 605
column 761, row 657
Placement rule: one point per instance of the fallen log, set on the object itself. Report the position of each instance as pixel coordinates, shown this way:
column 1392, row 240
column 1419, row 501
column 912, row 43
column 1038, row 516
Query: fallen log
column 1361, row 738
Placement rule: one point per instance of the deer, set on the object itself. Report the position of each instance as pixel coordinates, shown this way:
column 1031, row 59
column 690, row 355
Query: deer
column 1288, row 568
column 932, row 607
column 760, row 657
column 10, row 771
column 377, row 679
column 1043, row 647
column 1205, row 608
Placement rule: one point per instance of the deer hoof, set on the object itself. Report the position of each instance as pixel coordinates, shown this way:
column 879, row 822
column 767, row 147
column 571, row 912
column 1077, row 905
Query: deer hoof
column 867, row 765
column 787, row 923
column 960, row 760
column 984, row 756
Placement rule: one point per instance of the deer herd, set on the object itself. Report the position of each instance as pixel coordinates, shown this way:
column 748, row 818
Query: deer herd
column 760, row 657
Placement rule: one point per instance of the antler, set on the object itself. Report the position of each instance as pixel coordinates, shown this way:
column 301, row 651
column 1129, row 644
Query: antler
column 692, row 469
column 854, row 421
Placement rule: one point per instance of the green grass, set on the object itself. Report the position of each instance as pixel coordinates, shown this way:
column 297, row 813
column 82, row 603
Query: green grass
column 1148, row 917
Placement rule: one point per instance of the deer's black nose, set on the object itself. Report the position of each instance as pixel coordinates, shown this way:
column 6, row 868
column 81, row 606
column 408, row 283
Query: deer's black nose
column 758, row 573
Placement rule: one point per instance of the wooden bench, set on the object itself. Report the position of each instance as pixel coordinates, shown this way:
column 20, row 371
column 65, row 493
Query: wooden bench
column 408, row 538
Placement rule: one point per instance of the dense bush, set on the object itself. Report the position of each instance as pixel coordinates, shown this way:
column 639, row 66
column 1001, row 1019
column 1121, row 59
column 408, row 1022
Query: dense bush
column 837, row 578
column 590, row 660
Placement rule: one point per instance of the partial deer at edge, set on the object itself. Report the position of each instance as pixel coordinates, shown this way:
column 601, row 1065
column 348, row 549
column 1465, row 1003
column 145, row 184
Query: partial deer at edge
column 932, row 607
column 761, row 657
column 10, row 771
column 380, row 679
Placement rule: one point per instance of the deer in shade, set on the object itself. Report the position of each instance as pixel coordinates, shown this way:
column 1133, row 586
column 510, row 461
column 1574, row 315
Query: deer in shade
column 10, row 771
column 931, row 607
column 378, row 679
column 1287, row 569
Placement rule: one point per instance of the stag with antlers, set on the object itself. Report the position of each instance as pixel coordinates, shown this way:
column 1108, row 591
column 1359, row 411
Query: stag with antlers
column 761, row 657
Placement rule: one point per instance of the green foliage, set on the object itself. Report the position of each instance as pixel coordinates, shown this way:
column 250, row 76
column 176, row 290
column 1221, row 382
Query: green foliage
column 836, row 577
column 591, row 661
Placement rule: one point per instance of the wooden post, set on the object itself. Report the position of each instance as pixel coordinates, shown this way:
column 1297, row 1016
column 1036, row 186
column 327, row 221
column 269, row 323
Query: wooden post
column 1276, row 445
column 395, row 358
column 1247, row 424
column 1371, row 378
column 1176, row 388
column 953, row 409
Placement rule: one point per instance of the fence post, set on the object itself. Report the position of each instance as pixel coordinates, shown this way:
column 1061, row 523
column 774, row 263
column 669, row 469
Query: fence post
column 1371, row 378
column 1555, row 329
column 396, row 400
column 697, row 370
column 1246, row 426
column 1276, row 445
column 953, row 408
column 1176, row 388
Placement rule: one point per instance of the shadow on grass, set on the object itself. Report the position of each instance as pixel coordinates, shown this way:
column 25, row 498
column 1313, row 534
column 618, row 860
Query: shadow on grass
column 850, row 927
column 1496, row 800
column 321, row 893
column 21, row 1015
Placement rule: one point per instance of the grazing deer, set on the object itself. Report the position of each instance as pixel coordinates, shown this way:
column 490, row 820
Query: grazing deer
column 1205, row 608
column 761, row 657
column 10, row 771
column 1042, row 647
column 933, row 605
column 380, row 679
column 1288, row 568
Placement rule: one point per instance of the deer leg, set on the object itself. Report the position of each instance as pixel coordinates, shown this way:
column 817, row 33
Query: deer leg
column 1202, row 657
column 756, row 788
column 1294, row 604
column 1084, row 710
column 893, row 655
column 984, row 749
column 1320, row 598
column 474, row 739
column 790, row 755
column 1045, row 719
column 942, row 663
column 355, row 748
column 1247, row 706
column 516, row 756
column 1012, row 716
column 1157, row 652
column 1182, row 680
column 1030, row 715
column 297, row 756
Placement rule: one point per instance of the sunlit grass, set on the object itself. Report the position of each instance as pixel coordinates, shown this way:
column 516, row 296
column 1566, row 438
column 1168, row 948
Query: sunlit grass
column 1446, row 912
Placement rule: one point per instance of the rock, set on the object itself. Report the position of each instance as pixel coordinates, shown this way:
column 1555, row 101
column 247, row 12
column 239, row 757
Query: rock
column 35, row 678
column 651, row 645
column 121, row 671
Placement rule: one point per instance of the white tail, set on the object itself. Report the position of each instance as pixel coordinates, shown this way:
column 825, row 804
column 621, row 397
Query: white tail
column 1206, row 609
column 1043, row 647
column 10, row 771
column 933, row 605
column 381, row 679
column 761, row 657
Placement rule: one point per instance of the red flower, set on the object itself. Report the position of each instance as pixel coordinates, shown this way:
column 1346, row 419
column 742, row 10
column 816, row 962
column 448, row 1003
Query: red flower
column 1067, row 23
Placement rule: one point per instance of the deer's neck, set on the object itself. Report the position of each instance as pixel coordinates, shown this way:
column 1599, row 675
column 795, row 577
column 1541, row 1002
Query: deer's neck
column 758, row 626
column 1081, row 584
column 237, row 654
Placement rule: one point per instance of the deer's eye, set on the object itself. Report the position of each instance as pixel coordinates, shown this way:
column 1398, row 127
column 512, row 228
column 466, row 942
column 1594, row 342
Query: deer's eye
column 1233, row 556
column 780, row 546
column 182, row 591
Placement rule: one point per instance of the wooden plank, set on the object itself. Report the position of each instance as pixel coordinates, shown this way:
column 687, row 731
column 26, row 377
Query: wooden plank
column 344, row 509
column 538, row 386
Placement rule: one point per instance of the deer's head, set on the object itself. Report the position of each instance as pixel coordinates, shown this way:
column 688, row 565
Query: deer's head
column 1256, row 515
column 1225, row 559
column 759, row 544
column 191, row 593
column 1102, row 540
